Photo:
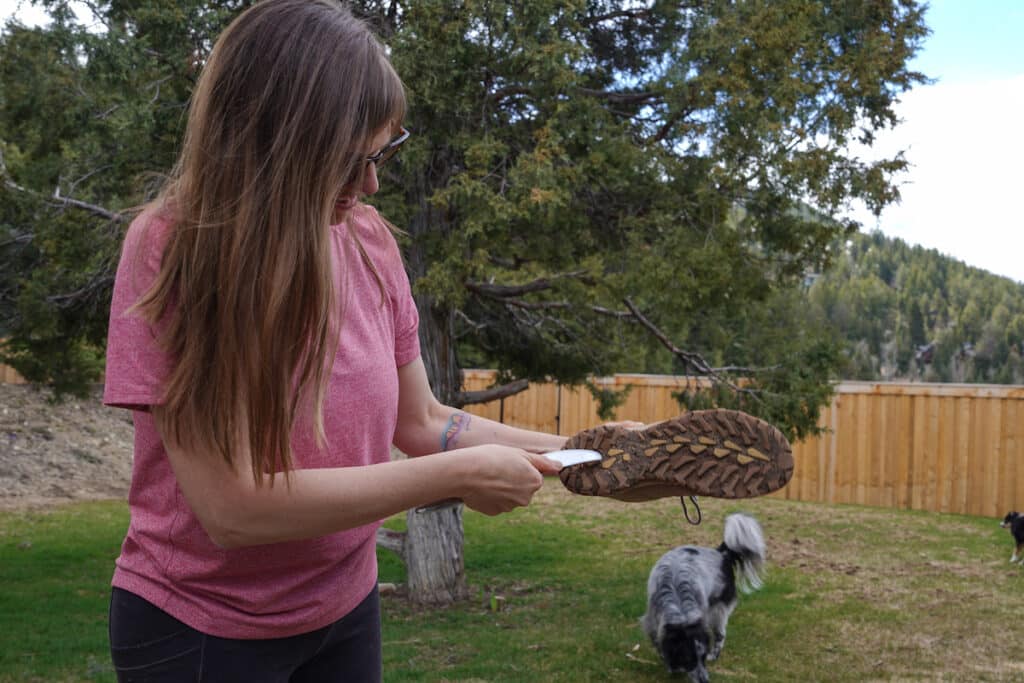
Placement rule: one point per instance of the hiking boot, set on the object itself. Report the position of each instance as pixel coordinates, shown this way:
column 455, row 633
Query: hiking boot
column 717, row 453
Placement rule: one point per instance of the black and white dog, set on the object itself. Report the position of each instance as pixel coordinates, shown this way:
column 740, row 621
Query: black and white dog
column 1015, row 522
column 692, row 591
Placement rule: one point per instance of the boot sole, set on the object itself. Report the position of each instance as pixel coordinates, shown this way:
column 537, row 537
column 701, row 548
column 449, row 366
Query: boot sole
column 717, row 453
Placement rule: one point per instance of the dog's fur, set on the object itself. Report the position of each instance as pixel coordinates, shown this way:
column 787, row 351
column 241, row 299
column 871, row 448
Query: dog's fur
column 692, row 591
column 1014, row 521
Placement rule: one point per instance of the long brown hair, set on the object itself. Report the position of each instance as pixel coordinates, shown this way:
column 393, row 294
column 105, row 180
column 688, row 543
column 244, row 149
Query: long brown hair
column 290, row 96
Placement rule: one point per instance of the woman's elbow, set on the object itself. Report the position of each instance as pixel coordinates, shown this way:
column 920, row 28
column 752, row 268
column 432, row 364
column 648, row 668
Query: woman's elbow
column 229, row 523
column 417, row 437
column 408, row 446
column 228, row 538
column 424, row 433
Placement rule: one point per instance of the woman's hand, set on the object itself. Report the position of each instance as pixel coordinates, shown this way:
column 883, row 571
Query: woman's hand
column 502, row 478
column 543, row 464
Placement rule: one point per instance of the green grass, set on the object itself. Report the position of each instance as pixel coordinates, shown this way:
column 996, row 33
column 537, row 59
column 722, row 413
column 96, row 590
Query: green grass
column 55, row 570
column 852, row 594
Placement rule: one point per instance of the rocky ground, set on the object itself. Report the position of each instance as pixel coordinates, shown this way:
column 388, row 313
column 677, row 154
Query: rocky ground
column 59, row 452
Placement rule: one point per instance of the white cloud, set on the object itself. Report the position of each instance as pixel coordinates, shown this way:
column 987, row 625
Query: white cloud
column 962, row 194
column 28, row 14
column 36, row 15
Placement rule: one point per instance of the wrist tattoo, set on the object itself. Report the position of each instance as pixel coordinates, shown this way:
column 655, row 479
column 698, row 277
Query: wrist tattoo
column 457, row 423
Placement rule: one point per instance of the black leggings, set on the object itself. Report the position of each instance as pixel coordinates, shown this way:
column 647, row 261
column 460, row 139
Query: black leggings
column 148, row 645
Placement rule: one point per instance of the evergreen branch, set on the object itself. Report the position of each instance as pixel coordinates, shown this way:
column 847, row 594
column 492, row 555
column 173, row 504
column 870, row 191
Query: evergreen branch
column 493, row 291
column 459, row 313
column 101, row 281
column 23, row 238
column 88, row 175
column 694, row 360
column 638, row 14
column 61, row 199
column 504, row 93
column 739, row 369
column 643, row 97
column 537, row 305
column 465, row 398
column 514, row 263
column 86, row 206
column 668, row 125
column 104, row 114
column 625, row 316
column 98, row 14
column 621, row 315
column 156, row 88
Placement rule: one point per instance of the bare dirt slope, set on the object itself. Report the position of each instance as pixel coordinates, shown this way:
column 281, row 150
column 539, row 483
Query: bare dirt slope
column 58, row 452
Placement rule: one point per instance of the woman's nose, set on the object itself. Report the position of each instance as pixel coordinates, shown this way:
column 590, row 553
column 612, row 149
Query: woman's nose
column 370, row 183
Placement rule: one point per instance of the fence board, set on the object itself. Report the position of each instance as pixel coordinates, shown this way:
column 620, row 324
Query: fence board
column 1012, row 477
column 961, row 472
column 931, row 455
column 936, row 447
column 1016, row 494
column 988, row 453
column 919, row 470
column 903, row 467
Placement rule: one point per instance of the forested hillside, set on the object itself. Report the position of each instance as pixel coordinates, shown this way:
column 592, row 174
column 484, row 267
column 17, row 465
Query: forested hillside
column 907, row 312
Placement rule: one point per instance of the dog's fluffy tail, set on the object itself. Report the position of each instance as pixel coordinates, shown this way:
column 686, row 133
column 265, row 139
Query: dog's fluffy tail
column 744, row 541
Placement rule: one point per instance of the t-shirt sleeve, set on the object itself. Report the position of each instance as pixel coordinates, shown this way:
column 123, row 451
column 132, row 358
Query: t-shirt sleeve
column 137, row 366
column 403, row 305
column 407, row 322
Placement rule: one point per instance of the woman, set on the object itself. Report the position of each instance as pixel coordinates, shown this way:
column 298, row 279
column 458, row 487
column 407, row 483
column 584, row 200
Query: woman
column 263, row 333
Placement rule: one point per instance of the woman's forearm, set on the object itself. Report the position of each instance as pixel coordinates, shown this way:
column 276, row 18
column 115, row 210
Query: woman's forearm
column 235, row 511
column 462, row 429
column 445, row 429
column 317, row 502
column 427, row 426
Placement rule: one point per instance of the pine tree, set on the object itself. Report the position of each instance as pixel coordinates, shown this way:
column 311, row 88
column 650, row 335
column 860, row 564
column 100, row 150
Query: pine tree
column 589, row 182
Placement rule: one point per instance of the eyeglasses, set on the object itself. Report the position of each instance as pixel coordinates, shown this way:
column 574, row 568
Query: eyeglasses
column 389, row 150
column 380, row 156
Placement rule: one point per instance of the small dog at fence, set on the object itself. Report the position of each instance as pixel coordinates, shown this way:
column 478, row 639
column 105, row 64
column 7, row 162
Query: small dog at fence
column 692, row 591
column 1014, row 521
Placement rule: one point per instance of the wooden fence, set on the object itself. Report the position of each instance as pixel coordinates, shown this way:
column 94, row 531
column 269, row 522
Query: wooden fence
column 9, row 375
column 937, row 447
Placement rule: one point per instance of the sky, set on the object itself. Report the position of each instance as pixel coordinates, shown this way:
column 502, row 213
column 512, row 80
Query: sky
column 962, row 136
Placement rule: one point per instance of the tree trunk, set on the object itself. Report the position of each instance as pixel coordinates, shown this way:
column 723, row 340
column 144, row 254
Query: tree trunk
column 435, row 569
column 432, row 545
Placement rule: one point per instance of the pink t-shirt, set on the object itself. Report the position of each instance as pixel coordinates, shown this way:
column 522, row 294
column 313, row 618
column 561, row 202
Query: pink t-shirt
column 280, row 589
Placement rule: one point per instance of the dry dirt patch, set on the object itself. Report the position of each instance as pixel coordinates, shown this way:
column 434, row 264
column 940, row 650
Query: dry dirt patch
column 76, row 449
